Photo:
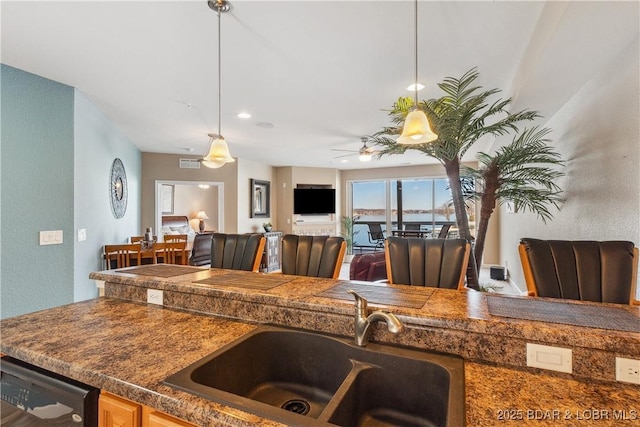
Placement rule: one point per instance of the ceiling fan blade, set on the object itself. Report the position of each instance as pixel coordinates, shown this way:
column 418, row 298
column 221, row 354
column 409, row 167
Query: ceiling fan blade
column 346, row 155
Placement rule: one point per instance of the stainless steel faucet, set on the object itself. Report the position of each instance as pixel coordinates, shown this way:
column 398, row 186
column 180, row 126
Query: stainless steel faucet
column 363, row 322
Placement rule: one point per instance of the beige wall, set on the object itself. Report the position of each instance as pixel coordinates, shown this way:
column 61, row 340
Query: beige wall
column 597, row 132
column 287, row 178
column 248, row 170
column 165, row 167
column 189, row 199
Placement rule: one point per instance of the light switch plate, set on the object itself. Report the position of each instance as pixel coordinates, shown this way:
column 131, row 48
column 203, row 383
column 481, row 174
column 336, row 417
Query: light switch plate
column 51, row 237
column 548, row 357
column 82, row 234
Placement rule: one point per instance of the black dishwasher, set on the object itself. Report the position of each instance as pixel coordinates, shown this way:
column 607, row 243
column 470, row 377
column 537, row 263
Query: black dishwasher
column 32, row 396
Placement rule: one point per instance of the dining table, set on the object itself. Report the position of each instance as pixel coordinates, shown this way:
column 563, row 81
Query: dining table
column 412, row 233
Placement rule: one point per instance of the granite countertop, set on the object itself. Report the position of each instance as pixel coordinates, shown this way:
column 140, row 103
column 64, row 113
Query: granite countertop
column 128, row 348
column 421, row 309
column 125, row 346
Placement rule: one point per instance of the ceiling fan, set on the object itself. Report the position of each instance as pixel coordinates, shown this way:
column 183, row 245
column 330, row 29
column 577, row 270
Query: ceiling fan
column 364, row 153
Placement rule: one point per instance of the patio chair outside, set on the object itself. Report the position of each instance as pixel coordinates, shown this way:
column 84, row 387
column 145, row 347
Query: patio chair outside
column 376, row 235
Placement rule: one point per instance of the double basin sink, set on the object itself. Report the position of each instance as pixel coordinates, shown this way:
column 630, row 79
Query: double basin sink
column 304, row 378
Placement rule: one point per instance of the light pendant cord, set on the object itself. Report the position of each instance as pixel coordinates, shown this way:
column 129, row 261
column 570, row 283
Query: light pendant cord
column 220, row 75
column 415, row 82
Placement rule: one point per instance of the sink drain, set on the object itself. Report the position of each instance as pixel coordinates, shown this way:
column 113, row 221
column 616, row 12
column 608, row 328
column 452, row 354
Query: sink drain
column 297, row 406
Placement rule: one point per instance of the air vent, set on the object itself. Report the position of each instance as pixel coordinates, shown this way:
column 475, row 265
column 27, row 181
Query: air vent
column 189, row 164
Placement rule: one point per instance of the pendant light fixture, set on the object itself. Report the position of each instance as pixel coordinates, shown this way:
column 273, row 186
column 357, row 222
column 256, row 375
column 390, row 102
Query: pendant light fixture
column 218, row 154
column 416, row 128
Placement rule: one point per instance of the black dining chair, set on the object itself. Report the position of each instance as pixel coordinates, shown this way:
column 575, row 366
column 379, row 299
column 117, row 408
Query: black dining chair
column 237, row 251
column 580, row 270
column 437, row 263
column 314, row 256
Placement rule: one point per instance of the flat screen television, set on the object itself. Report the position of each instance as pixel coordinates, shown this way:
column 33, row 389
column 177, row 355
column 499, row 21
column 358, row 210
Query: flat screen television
column 314, row 201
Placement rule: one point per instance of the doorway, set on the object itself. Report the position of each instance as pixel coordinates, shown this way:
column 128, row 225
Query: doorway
column 187, row 198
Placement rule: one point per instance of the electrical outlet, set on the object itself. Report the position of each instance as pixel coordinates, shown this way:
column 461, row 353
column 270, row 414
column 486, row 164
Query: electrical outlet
column 627, row 370
column 547, row 357
column 154, row 296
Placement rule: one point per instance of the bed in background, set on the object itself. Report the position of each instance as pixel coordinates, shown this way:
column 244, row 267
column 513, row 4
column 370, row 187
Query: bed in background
column 178, row 224
column 199, row 245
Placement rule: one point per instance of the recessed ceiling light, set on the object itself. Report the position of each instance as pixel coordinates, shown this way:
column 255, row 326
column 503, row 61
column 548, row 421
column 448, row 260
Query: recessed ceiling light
column 412, row 87
column 344, row 161
column 244, row 115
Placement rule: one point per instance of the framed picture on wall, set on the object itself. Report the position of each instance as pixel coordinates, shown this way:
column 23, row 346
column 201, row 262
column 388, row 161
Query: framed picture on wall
column 260, row 198
column 166, row 200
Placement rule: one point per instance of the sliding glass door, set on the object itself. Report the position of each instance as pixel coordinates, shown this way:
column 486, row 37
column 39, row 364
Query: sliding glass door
column 418, row 207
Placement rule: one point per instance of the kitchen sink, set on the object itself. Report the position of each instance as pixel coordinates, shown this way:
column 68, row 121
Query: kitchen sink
column 305, row 378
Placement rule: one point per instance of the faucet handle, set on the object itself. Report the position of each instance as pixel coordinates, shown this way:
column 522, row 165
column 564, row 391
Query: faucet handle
column 361, row 302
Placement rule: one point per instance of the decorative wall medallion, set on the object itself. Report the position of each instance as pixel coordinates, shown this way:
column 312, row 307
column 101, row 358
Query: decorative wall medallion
column 118, row 189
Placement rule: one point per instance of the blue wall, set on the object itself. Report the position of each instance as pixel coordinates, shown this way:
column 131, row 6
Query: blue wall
column 55, row 158
column 97, row 143
column 37, row 192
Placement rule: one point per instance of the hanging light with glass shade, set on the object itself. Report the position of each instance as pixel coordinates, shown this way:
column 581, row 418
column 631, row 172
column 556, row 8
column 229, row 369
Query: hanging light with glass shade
column 416, row 129
column 218, row 154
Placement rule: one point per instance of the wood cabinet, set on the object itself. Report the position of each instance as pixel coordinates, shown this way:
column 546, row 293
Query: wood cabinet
column 271, row 257
column 155, row 418
column 116, row 411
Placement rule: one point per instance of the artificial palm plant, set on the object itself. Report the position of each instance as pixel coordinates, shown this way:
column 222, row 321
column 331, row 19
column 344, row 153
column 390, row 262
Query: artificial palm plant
column 523, row 173
column 460, row 118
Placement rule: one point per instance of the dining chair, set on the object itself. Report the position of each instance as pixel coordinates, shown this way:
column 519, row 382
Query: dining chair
column 136, row 239
column 170, row 253
column 122, row 255
column 237, row 251
column 437, row 263
column 313, row 256
column 598, row 271
column 201, row 249
column 175, row 238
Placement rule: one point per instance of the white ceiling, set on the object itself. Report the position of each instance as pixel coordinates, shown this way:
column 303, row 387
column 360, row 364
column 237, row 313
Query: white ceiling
column 320, row 72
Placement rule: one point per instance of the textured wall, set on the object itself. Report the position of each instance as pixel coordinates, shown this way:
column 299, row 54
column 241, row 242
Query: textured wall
column 57, row 150
column 37, row 192
column 97, row 144
column 598, row 132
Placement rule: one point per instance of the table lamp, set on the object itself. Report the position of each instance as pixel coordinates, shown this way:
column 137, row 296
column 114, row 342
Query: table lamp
column 201, row 216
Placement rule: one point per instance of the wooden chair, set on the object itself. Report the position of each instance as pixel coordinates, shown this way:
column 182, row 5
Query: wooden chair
column 175, row 238
column 170, row 253
column 437, row 263
column 122, row 255
column 313, row 256
column 237, row 251
column 580, row 270
column 136, row 239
